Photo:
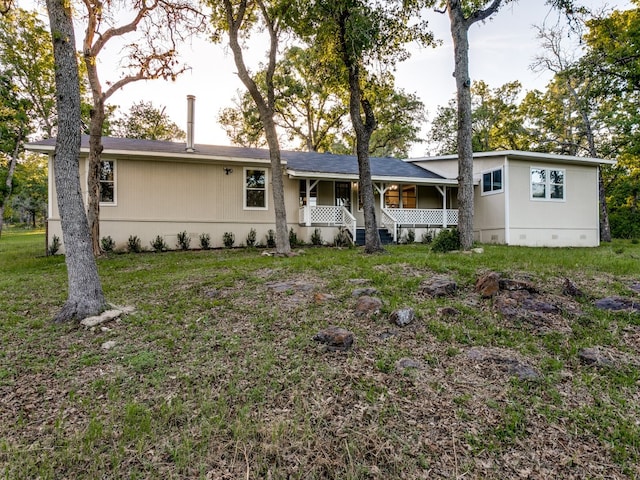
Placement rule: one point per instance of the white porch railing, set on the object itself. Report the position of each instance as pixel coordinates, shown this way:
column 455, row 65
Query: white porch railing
column 389, row 222
column 328, row 215
column 423, row 216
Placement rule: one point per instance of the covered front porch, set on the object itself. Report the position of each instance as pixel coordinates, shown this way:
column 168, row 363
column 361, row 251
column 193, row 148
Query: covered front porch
column 426, row 205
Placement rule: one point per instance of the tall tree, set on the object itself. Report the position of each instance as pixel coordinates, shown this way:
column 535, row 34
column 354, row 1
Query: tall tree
column 362, row 33
column 238, row 18
column 311, row 109
column 147, row 122
column 463, row 14
column 152, row 54
column 85, row 297
column 578, row 81
column 25, row 49
column 497, row 123
column 14, row 127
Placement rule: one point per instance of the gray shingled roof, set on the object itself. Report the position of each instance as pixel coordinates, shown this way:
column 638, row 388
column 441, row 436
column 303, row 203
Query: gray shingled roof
column 300, row 162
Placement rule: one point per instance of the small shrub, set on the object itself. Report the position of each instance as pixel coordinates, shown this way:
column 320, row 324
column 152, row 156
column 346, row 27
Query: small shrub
column 635, row 241
column 134, row 245
column 410, row 236
column 251, row 238
column 316, row 237
column 184, row 240
column 205, row 241
column 158, row 244
column 54, row 246
column 228, row 239
column 446, row 241
column 293, row 238
column 342, row 238
column 427, row 237
column 271, row 239
column 107, row 244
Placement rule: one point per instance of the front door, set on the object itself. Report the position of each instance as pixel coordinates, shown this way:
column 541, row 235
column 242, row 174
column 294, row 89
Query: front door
column 343, row 195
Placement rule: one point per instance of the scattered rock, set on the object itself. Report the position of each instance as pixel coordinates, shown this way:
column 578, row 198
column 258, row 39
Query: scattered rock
column 448, row 312
column 488, row 284
column 266, row 254
column 514, row 285
column 521, row 305
column 570, row 289
column 105, row 316
column 594, row 356
column 438, row 287
column 403, row 316
column 335, row 338
column 320, row 297
column 523, row 371
column 635, row 287
column 359, row 281
column 478, row 250
column 405, row 363
column 108, row 345
column 359, row 292
column 617, row 304
column 368, row 306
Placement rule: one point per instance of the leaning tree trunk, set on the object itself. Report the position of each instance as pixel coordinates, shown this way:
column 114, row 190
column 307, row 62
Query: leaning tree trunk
column 85, row 297
column 9, row 183
column 363, row 130
column 459, row 32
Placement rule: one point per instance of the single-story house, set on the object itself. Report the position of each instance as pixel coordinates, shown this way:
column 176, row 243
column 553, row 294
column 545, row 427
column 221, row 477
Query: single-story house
column 151, row 188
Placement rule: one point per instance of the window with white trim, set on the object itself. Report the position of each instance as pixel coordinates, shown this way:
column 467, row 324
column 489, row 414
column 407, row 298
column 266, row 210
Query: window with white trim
column 107, row 182
column 255, row 189
column 492, row 181
column 547, row 184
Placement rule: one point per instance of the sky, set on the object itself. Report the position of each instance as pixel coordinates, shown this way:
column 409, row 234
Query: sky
column 501, row 50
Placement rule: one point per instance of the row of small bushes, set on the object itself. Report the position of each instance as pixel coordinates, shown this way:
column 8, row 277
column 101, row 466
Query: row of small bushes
column 446, row 240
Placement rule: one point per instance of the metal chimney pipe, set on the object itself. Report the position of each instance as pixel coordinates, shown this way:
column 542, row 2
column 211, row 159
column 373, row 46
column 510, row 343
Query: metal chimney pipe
column 191, row 100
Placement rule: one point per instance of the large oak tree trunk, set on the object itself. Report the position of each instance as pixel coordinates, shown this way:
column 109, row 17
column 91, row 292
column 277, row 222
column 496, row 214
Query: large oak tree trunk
column 85, row 297
column 459, row 33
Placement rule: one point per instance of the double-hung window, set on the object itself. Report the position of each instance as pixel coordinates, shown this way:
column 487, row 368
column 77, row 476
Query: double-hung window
column 255, row 189
column 108, row 182
column 492, row 181
column 548, row 184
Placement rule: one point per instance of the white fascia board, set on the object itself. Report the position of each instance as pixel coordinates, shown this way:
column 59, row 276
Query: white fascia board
column 351, row 177
column 522, row 155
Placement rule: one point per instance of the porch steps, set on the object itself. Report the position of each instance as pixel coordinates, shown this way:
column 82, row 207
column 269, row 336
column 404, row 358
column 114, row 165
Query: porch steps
column 385, row 237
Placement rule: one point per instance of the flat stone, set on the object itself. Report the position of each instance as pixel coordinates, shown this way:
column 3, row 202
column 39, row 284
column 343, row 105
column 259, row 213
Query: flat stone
column 281, row 287
column 108, row 345
column 358, row 281
column 635, row 287
column 335, row 338
column 438, row 287
column 594, row 356
column 617, row 304
column 488, row 284
column 368, row 306
column 387, row 335
column 478, row 250
column 105, row 316
column 403, row 316
column 523, row 371
column 359, row 292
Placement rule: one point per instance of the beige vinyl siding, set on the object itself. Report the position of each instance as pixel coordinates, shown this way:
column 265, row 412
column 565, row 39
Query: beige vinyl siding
column 489, row 216
column 570, row 222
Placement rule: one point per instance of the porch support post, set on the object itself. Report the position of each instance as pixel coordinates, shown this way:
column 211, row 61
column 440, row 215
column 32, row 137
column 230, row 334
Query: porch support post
column 307, row 207
column 443, row 192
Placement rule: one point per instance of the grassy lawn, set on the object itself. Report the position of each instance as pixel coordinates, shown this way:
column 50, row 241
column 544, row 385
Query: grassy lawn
column 216, row 376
